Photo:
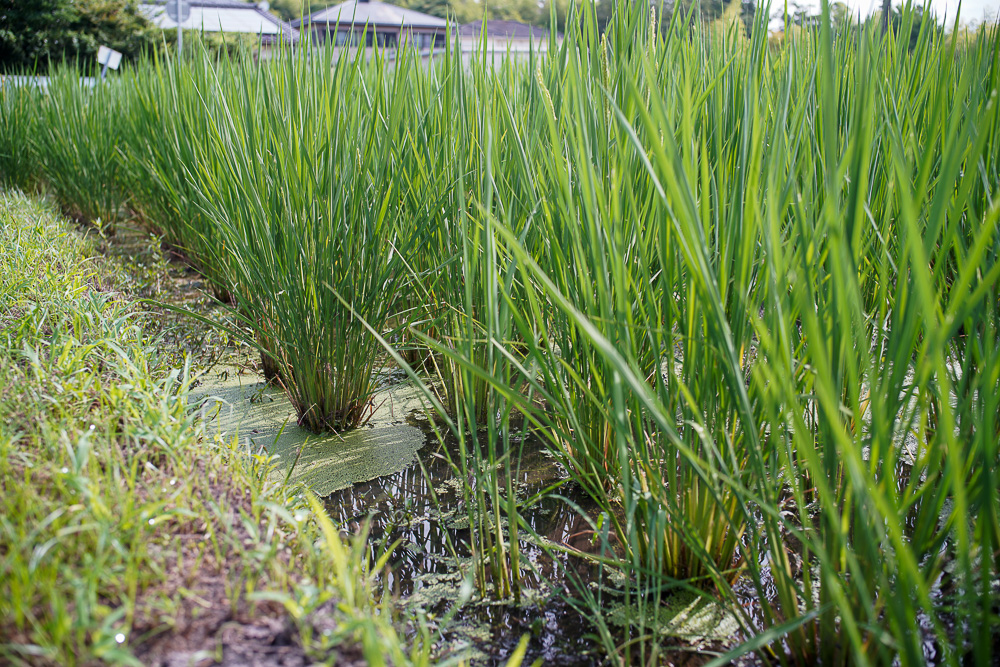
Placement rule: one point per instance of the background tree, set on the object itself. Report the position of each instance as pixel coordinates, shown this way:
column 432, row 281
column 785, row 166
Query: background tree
column 917, row 16
column 36, row 34
column 287, row 10
column 748, row 11
column 696, row 10
column 545, row 13
column 28, row 30
column 840, row 15
column 440, row 8
column 464, row 11
column 525, row 11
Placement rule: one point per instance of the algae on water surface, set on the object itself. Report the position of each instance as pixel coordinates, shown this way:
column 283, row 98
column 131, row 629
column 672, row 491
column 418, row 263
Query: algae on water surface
column 683, row 614
column 237, row 403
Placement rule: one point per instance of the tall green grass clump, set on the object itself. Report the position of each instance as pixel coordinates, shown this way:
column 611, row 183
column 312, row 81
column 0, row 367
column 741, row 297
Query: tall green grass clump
column 305, row 198
column 763, row 341
column 880, row 407
column 77, row 143
column 659, row 446
column 163, row 130
column 18, row 116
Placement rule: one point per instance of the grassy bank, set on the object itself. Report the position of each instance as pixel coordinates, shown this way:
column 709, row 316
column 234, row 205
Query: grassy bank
column 126, row 535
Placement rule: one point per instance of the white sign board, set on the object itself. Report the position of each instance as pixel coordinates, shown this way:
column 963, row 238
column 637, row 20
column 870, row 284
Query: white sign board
column 108, row 57
column 179, row 11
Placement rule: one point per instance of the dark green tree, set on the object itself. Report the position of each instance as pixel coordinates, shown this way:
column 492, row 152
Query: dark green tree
column 748, row 13
column 441, row 8
column 913, row 18
column 286, row 10
column 289, row 10
column 36, row 34
column 694, row 10
column 546, row 15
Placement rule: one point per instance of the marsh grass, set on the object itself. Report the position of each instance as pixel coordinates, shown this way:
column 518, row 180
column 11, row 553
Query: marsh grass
column 311, row 209
column 18, row 163
column 162, row 134
column 746, row 292
column 77, row 144
column 749, row 246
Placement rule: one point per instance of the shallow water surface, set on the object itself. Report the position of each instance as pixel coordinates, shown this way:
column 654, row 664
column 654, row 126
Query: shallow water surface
column 424, row 509
column 237, row 404
column 375, row 475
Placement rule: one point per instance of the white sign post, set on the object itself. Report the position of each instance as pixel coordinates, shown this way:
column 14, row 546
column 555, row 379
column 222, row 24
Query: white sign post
column 108, row 58
column 179, row 11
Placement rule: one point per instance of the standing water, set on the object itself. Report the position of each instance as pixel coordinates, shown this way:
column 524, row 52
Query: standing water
column 395, row 476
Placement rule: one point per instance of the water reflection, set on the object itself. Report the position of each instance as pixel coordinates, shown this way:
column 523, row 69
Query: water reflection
column 422, row 508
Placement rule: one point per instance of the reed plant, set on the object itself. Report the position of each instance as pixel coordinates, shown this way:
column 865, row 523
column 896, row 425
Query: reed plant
column 866, row 383
column 18, row 106
column 462, row 281
column 163, row 134
column 611, row 267
column 746, row 292
column 875, row 400
column 306, row 206
column 713, row 472
column 77, row 143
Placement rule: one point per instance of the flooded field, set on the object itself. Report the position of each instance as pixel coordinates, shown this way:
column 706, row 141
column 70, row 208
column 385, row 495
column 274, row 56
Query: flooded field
column 396, row 479
column 742, row 285
column 372, row 476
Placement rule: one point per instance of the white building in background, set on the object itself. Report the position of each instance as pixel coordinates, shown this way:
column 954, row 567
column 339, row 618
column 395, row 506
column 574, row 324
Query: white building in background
column 503, row 37
column 226, row 16
column 371, row 23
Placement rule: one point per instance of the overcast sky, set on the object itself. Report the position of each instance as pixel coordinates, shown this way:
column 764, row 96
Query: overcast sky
column 973, row 11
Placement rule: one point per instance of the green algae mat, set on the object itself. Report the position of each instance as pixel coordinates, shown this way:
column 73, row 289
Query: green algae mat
column 236, row 403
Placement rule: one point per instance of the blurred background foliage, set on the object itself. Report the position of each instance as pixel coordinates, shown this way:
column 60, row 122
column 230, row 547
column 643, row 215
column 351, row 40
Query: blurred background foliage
column 37, row 33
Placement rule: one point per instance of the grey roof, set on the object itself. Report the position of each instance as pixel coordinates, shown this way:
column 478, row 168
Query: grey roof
column 222, row 4
column 375, row 14
column 224, row 16
column 504, row 30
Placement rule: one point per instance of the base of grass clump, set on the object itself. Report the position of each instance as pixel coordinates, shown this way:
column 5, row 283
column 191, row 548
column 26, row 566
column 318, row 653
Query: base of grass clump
column 233, row 401
column 327, row 398
column 351, row 416
column 270, row 369
column 683, row 615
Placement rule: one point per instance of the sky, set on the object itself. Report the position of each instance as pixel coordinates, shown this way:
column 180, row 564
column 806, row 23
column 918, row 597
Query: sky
column 973, row 11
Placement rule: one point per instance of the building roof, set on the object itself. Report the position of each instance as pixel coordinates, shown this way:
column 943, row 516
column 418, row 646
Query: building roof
column 375, row 14
column 236, row 16
column 504, row 30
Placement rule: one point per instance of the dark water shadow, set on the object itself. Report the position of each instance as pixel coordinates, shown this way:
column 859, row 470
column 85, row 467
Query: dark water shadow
column 422, row 508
